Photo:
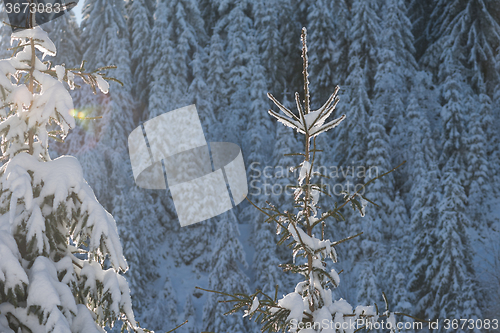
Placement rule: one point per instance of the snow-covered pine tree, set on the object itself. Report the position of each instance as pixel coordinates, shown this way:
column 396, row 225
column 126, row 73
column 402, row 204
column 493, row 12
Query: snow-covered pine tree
column 472, row 25
column 271, row 48
column 340, row 57
column 475, row 32
column 479, row 188
column 193, row 241
column 259, row 130
column 363, row 62
column 339, row 63
column 353, row 149
column 454, row 286
column 226, row 276
column 163, row 95
column 351, row 139
column 456, row 102
column 394, row 77
column 236, row 26
column 140, row 41
column 64, row 32
column 364, row 36
column 167, row 87
column 163, row 307
column 61, row 254
column 322, row 41
column 311, row 303
column 289, row 27
column 377, row 160
column 424, row 215
column 396, row 267
column 259, row 133
column 424, row 194
column 216, row 76
column 105, row 40
column 132, row 211
column 419, row 12
column 170, row 57
column 422, row 105
column 200, row 95
column 488, row 120
column 378, row 228
column 113, row 171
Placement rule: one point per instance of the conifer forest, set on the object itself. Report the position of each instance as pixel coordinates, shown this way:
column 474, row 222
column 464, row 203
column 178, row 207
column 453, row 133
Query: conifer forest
column 419, row 85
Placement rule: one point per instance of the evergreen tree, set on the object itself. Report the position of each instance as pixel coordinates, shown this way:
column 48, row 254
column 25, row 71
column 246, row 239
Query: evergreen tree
column 291, row 22
column 135, row 216
column 473, row 27
column 259, row 133
column 453, row 286
column 225, row 276
column 259, row 130
column 400, row 216
column 193, row 244
column 425, row 197
column 163, row 307
column 271, row 48
column 480, row 189
column 456, row 100
column 353, row 148
column 363, row 62
column 311, row 301
column 322, row 41
column 401, row 298
column 209, row 13
column 165, row 93
column 65, row 34
column 340, row 50
column 51, row 221
column 168, row 84
column 424, row 215
column 368, row 292
column 351, row 139
column 422, row 153
column 170, row 58
column 419, row 12
column 201, row 96
column 216, row 77
column 237, row 27
column 396, row 267
column 393, row 78
column 364, row 35
column 382, row 192
column 140, row 39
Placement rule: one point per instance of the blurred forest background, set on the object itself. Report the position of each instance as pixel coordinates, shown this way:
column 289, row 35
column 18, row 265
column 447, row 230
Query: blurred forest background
column 419, row 81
